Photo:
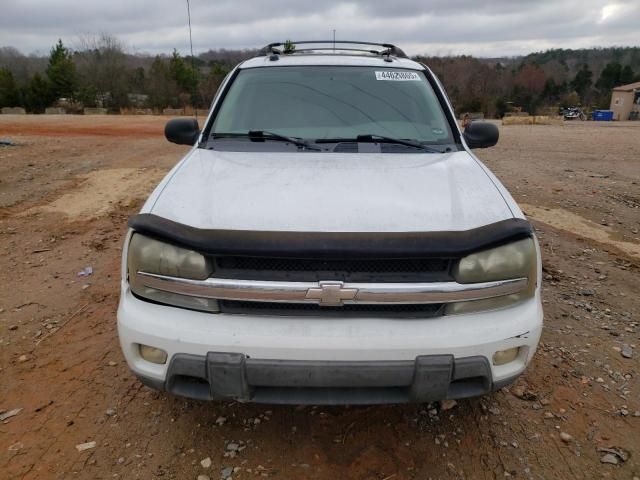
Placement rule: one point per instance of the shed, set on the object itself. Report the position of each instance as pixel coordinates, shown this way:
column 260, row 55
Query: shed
column 625, row 100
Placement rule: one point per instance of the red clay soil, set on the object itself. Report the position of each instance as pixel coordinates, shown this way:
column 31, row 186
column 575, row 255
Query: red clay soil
column 575, row 413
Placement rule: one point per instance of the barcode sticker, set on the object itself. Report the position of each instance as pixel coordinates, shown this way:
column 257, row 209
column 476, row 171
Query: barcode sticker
column 397, row 76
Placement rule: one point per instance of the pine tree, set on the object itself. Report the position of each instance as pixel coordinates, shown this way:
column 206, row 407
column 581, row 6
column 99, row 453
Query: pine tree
column 182, row 73
column 61, row 72
column 626, row 75
column 582, row 81
column 38, row 94
column 9, row 95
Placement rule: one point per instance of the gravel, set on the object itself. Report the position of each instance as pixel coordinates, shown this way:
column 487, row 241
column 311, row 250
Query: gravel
column 226, row 472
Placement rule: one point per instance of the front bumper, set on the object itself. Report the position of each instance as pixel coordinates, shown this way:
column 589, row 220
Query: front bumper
column 289, row 359
column 233, row 376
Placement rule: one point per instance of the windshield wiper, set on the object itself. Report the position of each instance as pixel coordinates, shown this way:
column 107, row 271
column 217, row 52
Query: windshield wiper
column 266, row 135
column 373, row 138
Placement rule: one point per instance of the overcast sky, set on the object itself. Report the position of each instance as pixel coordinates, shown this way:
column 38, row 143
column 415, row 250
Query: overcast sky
column 478, row 27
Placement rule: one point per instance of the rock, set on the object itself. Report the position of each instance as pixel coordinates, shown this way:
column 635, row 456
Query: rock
column 206, row 463
column 565, row 437
column 620, row 454
column 85, row 446
column 226, row 472
column 16, row 447
column 494, row 411
column 518, row 391
column 203, row 477
column 9, row 414
column 23, row 358
column 221, row 421
column 13, row 327
column 447, row 405
column 110, row 412
column 609, row 458
column 627, row 351
column 522, row 393
column 85, row 272
column 112, row 363
column 233, row 447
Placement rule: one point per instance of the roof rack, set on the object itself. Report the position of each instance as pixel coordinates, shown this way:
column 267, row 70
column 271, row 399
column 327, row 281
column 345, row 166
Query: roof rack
column 290, row 47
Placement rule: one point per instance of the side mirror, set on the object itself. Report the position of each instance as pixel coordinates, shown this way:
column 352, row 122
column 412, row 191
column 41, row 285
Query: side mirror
column 183, row 131
column 481, row 135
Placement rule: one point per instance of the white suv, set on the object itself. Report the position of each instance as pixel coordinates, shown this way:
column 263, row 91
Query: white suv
column 330, row 238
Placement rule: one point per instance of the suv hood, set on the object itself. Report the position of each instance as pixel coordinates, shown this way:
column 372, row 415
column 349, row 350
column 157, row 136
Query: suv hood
column 329, row 192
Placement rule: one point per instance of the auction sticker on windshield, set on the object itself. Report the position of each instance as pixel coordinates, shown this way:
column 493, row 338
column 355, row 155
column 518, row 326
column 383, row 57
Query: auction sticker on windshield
column 397, row 76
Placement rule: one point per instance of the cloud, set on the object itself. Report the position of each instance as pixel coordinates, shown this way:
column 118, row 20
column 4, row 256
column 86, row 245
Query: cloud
column 498, row 27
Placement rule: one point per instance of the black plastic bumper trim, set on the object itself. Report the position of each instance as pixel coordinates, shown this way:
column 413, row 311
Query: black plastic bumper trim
column 235, row 377
column 333, row 245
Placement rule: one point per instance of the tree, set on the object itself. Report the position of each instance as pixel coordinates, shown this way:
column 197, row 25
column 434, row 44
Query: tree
column 529, row 84
column 626, row 75
column 609, row 77
column 161, row 87
column 553, row 91
column 9, row 94
column 184, row 76
column 103, row 70
column 61, row 72
column 612, row 75
column 38, row 94
column 209, row 85
column 137, row 80
column 581, row 83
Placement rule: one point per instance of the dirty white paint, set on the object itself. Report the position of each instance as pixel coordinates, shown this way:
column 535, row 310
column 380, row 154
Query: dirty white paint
column 330, row 192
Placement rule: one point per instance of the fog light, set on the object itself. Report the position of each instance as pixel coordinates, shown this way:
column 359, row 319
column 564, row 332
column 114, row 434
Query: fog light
column 152, row 354
column 505, row 356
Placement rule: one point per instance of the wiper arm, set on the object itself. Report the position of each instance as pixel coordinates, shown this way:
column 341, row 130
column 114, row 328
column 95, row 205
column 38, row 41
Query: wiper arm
column 372, row 138
column 266, row 135
column 399, row 141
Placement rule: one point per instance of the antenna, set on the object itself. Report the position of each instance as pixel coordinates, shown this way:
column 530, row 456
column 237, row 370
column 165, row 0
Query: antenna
column 193, row 69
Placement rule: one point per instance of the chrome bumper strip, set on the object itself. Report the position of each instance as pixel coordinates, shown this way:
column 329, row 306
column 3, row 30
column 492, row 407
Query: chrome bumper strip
column 331, row 293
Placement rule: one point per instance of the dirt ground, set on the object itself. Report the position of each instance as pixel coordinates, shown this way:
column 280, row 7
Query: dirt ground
column 66, row 191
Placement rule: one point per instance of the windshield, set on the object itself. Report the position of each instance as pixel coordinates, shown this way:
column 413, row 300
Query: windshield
column 316, row 103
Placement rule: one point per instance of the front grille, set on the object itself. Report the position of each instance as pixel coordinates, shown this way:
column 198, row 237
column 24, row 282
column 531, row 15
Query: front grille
column 350, row 310
column 360, row 270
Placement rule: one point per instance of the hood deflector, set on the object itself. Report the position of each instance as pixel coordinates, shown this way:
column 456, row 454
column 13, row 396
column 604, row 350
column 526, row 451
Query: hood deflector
column 332, row 245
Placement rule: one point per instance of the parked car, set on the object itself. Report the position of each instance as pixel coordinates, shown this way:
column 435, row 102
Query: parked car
column 330, row 238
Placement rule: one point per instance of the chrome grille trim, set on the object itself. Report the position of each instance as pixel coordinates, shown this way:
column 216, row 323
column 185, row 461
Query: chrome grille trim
column 332, row 293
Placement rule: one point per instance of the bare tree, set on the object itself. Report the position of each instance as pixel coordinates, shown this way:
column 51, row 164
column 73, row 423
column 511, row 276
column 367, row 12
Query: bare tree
column 101, row 62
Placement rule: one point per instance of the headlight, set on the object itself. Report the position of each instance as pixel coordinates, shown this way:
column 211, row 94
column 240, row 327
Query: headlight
column 152, row 256
column 514, row 260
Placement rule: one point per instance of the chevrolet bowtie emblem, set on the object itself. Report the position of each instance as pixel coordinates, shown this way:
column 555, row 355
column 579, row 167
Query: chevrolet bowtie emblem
column 331, row 294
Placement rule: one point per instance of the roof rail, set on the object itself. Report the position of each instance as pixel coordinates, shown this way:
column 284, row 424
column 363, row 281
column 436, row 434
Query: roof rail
column 290, row 47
